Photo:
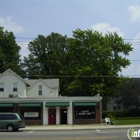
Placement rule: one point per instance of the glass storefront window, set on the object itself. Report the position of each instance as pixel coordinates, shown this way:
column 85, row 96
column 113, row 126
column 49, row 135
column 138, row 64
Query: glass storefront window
column 85, row 112
column 6, row 109
column 31, row 113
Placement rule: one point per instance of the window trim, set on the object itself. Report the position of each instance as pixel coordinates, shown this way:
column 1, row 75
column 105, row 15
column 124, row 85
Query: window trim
column 2, row 87
column 15, row 87
column 40, row 90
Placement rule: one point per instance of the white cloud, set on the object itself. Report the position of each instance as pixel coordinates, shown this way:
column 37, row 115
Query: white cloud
column 105, row 28
column 24, row 51
column 135, row 12
column 9, row 25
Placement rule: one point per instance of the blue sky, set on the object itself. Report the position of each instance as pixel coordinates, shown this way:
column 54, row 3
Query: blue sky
column 28, row 18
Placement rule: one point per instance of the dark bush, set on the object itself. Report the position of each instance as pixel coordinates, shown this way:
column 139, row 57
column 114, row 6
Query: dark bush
column 120, row 114
column 107, row 113
column 133, row 112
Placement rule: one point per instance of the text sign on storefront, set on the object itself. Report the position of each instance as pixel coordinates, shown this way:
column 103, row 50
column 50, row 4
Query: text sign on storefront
column 85, row 112
column 31, row 114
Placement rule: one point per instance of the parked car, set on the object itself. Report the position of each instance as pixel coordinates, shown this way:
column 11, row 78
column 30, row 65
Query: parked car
column 11, row 121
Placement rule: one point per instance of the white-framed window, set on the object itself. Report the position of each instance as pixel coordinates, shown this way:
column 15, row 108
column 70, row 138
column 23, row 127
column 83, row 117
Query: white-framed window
column 39, row 90
column 1, row 87
column 15, row 88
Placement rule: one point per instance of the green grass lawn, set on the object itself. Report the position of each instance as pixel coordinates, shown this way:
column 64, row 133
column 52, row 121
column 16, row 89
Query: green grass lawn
column 128, row 121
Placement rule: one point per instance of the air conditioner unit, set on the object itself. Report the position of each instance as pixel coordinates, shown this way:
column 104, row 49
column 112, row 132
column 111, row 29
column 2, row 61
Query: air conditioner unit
column 11, row 96
column 18, row 96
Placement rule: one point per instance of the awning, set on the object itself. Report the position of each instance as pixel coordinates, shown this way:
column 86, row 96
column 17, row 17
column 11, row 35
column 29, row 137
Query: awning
column 57, row 104
column 84, row 104
column 30, row 104
column 6, row 105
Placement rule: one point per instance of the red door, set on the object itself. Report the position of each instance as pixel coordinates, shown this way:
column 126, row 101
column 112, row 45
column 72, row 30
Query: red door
column 52, row 116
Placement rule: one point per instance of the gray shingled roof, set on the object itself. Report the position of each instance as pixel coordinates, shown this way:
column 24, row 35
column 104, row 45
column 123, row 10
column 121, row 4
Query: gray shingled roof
column 52, row 82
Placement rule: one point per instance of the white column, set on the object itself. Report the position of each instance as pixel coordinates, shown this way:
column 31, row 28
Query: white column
column 57, row 115
column 45, row 114
column 100, row 111
column 70, row 114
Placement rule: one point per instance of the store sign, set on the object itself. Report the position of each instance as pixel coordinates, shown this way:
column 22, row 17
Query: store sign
column 85, row 112
column 31, row 114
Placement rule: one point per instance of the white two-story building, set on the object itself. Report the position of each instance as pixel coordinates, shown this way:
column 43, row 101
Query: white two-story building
column 40, row 104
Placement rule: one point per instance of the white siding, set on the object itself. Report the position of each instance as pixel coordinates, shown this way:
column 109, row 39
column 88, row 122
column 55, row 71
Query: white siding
column 46, row 91
column 112, row 104
column 8, row 79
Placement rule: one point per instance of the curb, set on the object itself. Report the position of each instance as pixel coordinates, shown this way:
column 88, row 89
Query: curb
column 57, row 128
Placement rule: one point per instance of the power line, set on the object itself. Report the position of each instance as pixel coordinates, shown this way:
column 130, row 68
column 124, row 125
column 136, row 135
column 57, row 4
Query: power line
column 86, row 76
column 36, row 37
column 135, row 60
column 131, row 39
column 133, row 43
column 24, row 38
column 125, row 42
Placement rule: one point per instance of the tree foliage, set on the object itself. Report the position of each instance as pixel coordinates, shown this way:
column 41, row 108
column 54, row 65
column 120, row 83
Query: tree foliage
column 47, row 56
column 9, row 52
column 129, row 94
column 87, row 64
column 95, row 61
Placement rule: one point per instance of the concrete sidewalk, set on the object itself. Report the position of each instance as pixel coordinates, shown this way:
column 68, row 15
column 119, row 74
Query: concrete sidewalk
column 76, row 127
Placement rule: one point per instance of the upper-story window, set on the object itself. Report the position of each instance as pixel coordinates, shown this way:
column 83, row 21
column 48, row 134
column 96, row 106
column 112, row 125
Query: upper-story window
column 15, row 87
column 39, row 90
column 1, row 86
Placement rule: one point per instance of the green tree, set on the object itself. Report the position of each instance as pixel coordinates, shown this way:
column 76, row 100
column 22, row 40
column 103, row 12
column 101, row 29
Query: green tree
column 87, row 63
column 47, row 56
column 9, row 52
column 95, row 61
column 129, row 94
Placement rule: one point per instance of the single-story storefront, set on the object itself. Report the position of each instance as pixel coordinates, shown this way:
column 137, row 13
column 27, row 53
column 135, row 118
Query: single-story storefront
column 56, row 111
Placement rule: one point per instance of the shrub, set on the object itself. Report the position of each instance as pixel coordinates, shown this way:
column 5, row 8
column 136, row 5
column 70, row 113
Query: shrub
column 133, row 112
column 106, row 113
column 120, row 114
column 112, row 117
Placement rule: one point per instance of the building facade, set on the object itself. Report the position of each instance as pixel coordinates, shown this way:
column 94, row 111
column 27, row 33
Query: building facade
column 38, row 101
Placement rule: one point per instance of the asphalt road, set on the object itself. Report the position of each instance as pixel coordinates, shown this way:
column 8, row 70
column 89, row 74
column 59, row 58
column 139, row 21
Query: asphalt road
column 105, row 134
